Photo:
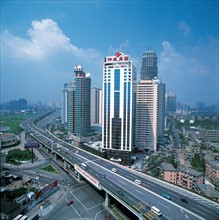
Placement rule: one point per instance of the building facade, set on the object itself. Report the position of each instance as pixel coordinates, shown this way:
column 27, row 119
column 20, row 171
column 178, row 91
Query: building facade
column 64, row 104
column 150, row 114
column 212, row 171
column 209, row 135
column 169, row 172
column 119, row 92
column 161, row 107
column 76, row 103
column 82, row 96
column 170, row 103
column 70, row 108
column 100, row 106
column 149, row 69
column 95, row 105
column 188, row 178
column 185, row 177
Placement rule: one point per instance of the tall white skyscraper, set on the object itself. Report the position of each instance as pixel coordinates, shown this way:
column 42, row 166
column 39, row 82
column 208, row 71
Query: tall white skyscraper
column 150, row 114
column 119, row 97
column 100, row 106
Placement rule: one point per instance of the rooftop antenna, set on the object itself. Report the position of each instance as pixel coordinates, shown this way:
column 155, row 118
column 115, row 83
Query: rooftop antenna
column 121, row 43
column 147, row 47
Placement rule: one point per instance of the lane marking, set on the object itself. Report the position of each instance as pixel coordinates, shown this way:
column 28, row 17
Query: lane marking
column 164, row 205
column 199, row 211
column 139, row 192
column 73, row 208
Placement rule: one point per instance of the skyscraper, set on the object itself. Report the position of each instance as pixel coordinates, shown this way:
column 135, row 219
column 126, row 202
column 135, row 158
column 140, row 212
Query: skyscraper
column 95, row 105
column 64, row 103
column 149, row 68
column 150, row 114
column 100, row 106
column 170, row 103
column 82, row 101
column 119, row 84
column 70, row 107
column 161, row 108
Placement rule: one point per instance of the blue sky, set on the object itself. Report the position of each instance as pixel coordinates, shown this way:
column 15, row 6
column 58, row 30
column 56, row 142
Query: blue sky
column 41, row 42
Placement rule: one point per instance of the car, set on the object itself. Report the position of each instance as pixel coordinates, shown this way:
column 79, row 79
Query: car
column 70, row 203
column 103, row 175
column 138, row 182
column 217, row 212
column 184, row 200
column 166, row 196
column 114, row 170
column 120, row 193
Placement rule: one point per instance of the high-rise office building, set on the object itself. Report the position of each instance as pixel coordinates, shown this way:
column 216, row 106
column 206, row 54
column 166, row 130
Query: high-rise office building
column 95, row 105
column 100, row 106
column 82, row 101
column 70, row 107
column 170, row 103
column 150, row 114
column 149, row 68
column 119, row 84
column 76, row 103
column 161, row 108
column 64, row 104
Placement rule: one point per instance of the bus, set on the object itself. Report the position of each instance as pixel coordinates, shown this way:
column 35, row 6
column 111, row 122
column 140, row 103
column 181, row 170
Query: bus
column 84, row 166
column 17, row 217
column 156, row 210
column 24, row 217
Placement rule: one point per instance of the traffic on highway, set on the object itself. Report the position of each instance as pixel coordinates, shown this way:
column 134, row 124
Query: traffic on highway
column 144, row 195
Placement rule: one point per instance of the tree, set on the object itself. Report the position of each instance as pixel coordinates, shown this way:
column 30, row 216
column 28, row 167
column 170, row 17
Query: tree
column 198, row 163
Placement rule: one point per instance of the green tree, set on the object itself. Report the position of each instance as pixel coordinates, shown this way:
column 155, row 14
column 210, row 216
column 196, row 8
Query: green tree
column 198, row 163
column 172, row 161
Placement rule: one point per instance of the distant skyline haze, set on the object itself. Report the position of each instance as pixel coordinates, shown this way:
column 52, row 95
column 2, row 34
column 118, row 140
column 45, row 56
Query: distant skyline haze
column 42, row 41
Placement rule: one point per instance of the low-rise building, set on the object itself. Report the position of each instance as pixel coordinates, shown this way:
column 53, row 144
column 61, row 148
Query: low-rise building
column 209, row 135
column 8, row 140
column 185, row 177
column 212, row 171
column 169, row 172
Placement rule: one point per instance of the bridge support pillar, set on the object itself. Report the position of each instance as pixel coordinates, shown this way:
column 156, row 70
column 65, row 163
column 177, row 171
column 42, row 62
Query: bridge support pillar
column 65, row 164
column 106, row 202
column 79, row 177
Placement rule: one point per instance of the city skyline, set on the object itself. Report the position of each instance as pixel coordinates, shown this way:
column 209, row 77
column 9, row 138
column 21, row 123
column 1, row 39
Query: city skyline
column 42, row 42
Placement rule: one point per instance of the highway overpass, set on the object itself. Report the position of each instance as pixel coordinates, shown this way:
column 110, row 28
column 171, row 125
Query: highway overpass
column 138, row 198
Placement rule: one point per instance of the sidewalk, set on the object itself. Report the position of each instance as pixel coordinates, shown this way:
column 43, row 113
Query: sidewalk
column 54, row 199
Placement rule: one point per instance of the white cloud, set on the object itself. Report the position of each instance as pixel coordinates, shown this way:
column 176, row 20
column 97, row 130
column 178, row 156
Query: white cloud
column 46, row 39
column 187, row 72
column 171, row 61
column 184, row 29
column 44, row 60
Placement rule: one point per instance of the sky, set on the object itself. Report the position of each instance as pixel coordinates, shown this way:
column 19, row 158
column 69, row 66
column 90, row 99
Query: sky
column 42, row 41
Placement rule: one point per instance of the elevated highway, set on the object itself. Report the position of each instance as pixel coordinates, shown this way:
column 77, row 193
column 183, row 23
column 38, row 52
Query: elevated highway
column 121, row 184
